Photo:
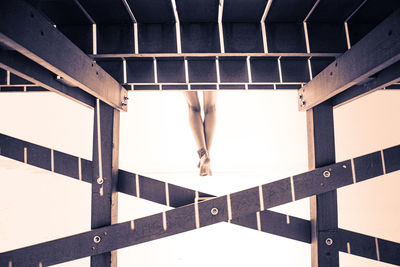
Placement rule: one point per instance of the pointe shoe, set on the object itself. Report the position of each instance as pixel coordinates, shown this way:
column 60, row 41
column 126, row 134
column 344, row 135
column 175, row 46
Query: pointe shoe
column 204, row 163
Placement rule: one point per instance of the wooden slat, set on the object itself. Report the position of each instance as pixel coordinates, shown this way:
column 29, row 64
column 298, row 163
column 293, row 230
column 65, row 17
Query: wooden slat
column 383, row 79
column 368, row 247
column 178, row 220
column 323, row 207
column 29, row 70
column 26, row 30
column 376, row 51
column 105, row 175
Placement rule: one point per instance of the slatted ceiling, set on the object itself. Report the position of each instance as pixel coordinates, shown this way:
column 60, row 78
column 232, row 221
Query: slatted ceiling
column 368, row 16
column 318, row 64
column 3, row 76
column 115, row 38
column 114, row 67
column 260, row 87
column 285, row 37
column 146, row 87
column 140, row 70
column 62, row 12
column 202, row 70
column 200, row 38
column 327, row 37
column 14, row 79
column 289, row 10
column 106, row 11
column 288, row 86
column 243, row 11
column 243, row 37
column 294, row 69
column 204, row 87
column 152, row 11
column 264, row 69
column 157, row 38
column 171, row 70
column 196, row 11
column 336, row 11
column 375, row 11
column 80, row 35
column 233, row 69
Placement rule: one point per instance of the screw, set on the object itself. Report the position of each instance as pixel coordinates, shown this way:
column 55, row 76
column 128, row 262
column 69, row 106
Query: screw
column 326, row 174
column 100, row 180
column 123, row 104
column 344, row 166
column 96, row 239
column 329, row 241
column 126, row 98
column 214, row 211
column 301, row 96
column 303, row 103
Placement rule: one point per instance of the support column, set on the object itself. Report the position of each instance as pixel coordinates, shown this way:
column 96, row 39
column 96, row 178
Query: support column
column 323, row 207
column 105, row 175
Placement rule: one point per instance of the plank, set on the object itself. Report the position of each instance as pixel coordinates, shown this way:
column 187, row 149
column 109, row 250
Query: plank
column 105, row 175
column 376, row 51
column 323, row 207
column 26, row 30
column 171, row 222
column 383, row 79
column 368, row 247
column 33, row 72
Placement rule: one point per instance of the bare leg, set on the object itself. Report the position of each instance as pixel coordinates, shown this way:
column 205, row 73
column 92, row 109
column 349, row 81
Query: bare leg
column 210, row 99
column 195, row 121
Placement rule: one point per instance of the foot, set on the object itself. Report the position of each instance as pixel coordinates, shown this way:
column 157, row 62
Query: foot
column 204, row 163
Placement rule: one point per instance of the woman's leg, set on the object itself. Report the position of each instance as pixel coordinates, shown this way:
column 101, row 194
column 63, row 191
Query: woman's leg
column 210, row 99
column 195, row 121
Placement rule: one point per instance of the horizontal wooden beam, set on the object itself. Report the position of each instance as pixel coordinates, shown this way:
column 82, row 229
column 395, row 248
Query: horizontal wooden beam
column 376, row 51
column 149, row 189
column 33, row 72
column 26, row 30
column 186, row 55
column 177, row 196
column 208, row 212
column 383, row 79
column 368, row 247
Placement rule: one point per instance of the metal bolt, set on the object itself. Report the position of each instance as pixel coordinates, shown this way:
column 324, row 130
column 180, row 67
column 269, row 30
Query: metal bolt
column 126, row 98
column 214, row 211
column 97, row 239
column 100, row 180
column 301, row 96
column 326, row 174
column 344, row 166
column 303, row 103
column 329, row 241
column 123, row 104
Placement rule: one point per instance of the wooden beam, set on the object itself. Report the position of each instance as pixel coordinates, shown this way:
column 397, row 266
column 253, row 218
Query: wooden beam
column 185, row 55
column 33, row 72
column 149, row 189
column 105, row 175
column 370, row 247
column 323, row 207
column 376, row 51
column 205, row 213
column 26, row 30
column 383, row 79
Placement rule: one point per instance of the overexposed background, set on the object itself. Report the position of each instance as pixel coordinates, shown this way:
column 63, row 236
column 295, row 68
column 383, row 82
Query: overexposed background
column 260, row 137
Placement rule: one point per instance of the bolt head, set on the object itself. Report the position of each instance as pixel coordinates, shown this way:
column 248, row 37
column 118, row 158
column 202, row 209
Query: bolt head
column 214, row 211
column 100, row 180
column 96, row 239
column 329, row 241
column 326, row 174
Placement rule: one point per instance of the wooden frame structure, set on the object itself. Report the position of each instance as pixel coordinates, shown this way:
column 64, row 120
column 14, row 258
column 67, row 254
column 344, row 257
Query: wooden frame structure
column 101, row 85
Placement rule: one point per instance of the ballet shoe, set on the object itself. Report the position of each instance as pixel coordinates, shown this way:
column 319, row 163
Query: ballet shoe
column 204, row 163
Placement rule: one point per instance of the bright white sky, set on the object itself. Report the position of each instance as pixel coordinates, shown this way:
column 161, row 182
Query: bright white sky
column 260, row 137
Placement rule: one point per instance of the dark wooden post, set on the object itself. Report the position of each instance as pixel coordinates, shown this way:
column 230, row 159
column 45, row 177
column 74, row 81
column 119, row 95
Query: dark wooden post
column 323, row 207
column 105, row 174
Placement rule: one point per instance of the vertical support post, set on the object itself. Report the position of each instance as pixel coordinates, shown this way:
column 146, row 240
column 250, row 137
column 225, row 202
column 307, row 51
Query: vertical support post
column 105, row 174
column 323, row 207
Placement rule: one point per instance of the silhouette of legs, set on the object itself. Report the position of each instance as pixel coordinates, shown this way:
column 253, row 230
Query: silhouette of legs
column 203, row 131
